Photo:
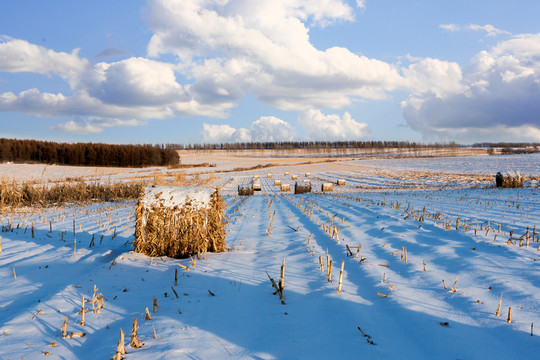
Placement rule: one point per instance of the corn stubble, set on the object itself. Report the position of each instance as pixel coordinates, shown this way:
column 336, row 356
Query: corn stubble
column 181, row 231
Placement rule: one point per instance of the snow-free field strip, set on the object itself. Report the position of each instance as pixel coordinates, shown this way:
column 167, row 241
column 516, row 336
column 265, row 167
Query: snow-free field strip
column 420, row 266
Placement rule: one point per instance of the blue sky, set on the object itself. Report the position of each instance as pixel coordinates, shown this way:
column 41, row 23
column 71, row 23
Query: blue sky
column 194, row 71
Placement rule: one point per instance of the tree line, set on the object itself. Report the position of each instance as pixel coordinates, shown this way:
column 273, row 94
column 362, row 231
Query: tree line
column 288, row 145
column 86, row 154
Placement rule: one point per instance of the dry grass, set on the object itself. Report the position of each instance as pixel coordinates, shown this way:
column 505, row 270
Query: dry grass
column 181, row 231
column 14, row 194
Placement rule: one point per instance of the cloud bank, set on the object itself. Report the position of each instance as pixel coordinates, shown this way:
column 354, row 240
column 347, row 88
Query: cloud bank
column 495, row 98
column 224, row 49
column 264, row 129
column 332, row 127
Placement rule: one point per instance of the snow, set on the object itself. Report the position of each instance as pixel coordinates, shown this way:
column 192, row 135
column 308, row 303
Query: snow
column 226, row 307
column 171, row 196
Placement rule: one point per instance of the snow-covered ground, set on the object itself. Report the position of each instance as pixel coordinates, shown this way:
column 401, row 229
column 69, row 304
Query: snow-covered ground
column 224, row 306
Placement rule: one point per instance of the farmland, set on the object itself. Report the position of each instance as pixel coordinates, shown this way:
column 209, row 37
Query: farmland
column 410, row 258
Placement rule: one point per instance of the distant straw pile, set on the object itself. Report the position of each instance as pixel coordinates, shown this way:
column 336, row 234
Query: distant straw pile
column 245, row 190
column 302, row 187
column 179, row 222
column 327, row 187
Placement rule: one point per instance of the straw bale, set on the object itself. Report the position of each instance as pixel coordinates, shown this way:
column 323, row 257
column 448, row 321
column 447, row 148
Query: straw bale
column 269, row 175
column 179, row 222
column 294, row 177
column 285, row 187
column 327, row 187
column 341, row 182
column 510, row 179
column 286, row 173
column 256, row 184
column 302, row 187
column 245, row 190
column 277, row 182
column 308, row 174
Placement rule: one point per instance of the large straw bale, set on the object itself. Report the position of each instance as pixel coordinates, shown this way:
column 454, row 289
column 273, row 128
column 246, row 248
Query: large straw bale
column 294, row 177
column 179, row 222
column 245, row 190
column 285, row 187
column 341, row 182
column 302, row 187
column 509, row 179
column 308, row 174
column 269, row 176
column 277, row 182
column 327, row 187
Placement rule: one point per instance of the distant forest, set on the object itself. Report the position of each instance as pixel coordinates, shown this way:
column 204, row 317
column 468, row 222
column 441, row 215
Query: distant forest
column 288, row 145
column 86, row 154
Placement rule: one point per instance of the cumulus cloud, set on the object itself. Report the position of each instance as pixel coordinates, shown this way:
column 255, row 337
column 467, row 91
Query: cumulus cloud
column 264, row 129
column 263, row 47
column 134, row 88
column 21, row 56
column 490, row 30
column 332, row 127
column 496, row 98
column 135, row 82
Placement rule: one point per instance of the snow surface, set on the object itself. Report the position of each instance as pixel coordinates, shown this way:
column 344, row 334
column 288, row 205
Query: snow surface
column 171, row 196
column 226, row 307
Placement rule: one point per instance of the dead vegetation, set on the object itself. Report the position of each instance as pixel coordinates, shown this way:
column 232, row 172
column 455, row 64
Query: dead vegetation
column 180, row 231
column 13, row 194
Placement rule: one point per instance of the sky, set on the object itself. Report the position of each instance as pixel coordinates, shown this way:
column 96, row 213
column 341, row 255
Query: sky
column 212, row 71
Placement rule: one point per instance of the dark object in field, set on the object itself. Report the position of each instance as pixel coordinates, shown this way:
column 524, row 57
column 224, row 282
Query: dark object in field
column 510, row 179
column 245, row 190
column 302, row 187
column 179, row 222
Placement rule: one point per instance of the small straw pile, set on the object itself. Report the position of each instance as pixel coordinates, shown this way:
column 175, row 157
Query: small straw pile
column 179, row 222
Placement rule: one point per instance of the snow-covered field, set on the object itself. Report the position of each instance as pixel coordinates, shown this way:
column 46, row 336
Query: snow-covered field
column 393, row 302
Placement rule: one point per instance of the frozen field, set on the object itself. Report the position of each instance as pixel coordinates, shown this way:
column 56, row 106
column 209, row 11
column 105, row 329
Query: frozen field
column 429, row 248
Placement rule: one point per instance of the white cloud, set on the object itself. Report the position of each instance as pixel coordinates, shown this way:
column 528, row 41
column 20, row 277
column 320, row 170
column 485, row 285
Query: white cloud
column 332, row 127
column 134, row 88
column 78, row 126
column 498, row 100
column 450, row 27
column 439, row 77
column 490, row 30
column 21, row 56
column 264, row 129
column 135, row 82
column 263, row 47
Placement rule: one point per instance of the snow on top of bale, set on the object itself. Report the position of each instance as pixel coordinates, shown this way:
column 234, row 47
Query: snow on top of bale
column 511, row 173
column 171, row 196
